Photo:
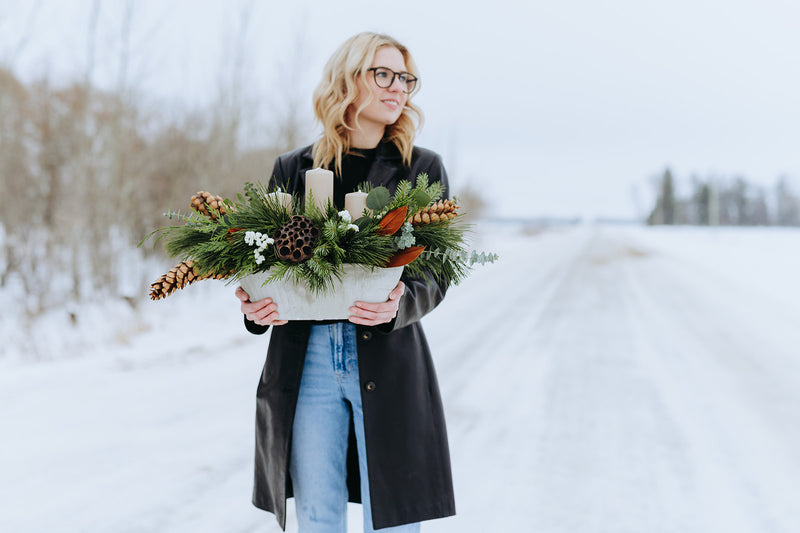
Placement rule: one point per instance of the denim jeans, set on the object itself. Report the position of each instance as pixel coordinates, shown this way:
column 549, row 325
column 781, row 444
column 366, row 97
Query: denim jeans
column 318, row 464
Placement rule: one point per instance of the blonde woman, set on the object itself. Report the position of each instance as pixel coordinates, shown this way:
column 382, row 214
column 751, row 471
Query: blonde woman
column 350, row 410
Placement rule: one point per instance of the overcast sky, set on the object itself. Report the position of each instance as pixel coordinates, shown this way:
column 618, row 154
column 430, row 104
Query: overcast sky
column 551, row 108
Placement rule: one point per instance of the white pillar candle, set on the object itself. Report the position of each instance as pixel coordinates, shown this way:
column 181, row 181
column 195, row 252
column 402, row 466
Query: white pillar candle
column 355, row 203
column 283, row 198
column 320, row 182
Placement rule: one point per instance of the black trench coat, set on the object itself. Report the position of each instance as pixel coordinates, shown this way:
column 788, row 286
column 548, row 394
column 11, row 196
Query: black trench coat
column 407, row 453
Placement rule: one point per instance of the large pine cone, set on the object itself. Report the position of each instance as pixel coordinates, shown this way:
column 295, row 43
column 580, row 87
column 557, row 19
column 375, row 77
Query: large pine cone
column 296, row 239
column 207, row 204
column 178, row 277
column 441, row 211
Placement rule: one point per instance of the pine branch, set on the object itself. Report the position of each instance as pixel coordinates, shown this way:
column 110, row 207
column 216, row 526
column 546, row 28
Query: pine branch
column 216, row 246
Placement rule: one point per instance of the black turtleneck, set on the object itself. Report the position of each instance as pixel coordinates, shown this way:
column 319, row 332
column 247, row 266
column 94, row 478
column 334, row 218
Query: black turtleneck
column 355, row 169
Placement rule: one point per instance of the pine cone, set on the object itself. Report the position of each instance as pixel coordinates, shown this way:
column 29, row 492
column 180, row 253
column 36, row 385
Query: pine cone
column 178, row 277
column 296, row 239
column 203, row 200
column 441, row 211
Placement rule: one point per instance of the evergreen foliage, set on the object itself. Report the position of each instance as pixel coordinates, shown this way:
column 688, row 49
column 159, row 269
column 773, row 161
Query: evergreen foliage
column 219, row 247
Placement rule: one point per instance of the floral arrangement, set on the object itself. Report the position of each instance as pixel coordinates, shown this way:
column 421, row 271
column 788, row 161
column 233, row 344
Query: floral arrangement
column 269, row 230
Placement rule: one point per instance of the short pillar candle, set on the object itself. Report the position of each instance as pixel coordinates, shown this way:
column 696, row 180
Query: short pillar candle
column 355, row 203
column 319, row 183
column 283, row 198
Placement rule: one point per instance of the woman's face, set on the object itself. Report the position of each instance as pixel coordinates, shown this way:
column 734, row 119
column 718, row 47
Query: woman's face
column 387, row 104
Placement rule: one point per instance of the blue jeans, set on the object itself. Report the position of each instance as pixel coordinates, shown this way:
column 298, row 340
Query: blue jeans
column 318, row 464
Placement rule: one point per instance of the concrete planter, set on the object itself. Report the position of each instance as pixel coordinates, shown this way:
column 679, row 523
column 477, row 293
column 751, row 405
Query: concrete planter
column 297, row 302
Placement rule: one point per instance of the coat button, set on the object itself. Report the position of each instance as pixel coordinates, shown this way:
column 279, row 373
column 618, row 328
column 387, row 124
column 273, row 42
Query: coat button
column 367, row 335
column 370, row 386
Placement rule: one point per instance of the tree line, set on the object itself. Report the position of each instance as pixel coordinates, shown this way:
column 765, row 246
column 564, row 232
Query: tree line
column 85, row 174
column 725, row 201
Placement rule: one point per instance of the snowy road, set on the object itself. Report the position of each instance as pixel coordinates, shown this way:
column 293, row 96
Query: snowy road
column 595, row 380
column 639, row 392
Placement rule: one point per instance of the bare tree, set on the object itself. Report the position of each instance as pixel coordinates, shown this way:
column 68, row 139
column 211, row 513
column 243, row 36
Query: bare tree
column 90, row 171
column 15, row 174
column 286, row 110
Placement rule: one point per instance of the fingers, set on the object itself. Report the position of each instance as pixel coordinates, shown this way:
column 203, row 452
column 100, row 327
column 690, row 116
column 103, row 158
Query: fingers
column 378, row 319
column 271, row 320
column 390, row 305
column 398, row 291
column 372, row 314
column 384, row 307
column 257, row 312
column 364, row 322
column 241, row 294
column 263, row 312
column 249, row 307
column 266, row 316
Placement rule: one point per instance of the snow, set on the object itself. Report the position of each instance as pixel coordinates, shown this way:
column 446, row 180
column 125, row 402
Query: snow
column 596, row 379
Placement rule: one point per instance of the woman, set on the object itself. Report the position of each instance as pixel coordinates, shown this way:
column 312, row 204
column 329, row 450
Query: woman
column 350, row 410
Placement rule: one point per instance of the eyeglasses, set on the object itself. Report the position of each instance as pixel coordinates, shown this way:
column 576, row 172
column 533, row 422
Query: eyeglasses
column 384, row 78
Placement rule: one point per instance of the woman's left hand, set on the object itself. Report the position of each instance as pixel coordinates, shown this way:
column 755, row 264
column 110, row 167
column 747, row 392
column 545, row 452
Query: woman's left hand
column 368, row 314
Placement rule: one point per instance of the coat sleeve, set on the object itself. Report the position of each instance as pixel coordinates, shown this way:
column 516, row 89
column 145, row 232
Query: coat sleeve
column 421, row 296
column 278, row 177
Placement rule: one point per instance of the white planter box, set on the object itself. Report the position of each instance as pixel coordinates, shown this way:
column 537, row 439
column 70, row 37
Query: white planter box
column 297, row 302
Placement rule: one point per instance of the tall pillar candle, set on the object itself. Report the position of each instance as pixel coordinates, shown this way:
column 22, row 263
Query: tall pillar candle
column 319, row 182
column 284, row 199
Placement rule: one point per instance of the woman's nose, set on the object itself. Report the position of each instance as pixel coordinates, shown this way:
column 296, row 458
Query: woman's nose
column 396, row 85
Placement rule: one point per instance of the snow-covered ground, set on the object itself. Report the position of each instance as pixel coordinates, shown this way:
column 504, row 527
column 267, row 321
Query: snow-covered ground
column 596, row 379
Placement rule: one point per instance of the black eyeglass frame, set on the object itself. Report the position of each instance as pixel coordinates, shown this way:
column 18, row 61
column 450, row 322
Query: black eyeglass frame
column 410, row 78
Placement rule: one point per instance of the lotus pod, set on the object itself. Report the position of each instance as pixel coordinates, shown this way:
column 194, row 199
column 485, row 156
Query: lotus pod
column 296, row 239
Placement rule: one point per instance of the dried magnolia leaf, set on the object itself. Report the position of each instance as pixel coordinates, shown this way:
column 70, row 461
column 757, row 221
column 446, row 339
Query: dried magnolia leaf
column 393, row 221
column 404, row 257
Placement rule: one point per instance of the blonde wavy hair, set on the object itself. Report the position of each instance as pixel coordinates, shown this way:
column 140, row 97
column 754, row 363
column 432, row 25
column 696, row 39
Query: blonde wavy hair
column 338, row 91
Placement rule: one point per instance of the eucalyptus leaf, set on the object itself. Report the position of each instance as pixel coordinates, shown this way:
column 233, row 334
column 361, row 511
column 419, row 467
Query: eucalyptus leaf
column 421, row 198
column 378, row 198
column 362, row 222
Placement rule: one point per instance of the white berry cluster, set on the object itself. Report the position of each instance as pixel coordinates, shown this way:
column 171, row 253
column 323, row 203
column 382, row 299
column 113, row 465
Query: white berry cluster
column 345, row 215
column 261, row 241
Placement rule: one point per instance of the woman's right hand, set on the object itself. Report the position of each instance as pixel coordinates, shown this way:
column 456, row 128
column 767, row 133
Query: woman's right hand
column 263, row 312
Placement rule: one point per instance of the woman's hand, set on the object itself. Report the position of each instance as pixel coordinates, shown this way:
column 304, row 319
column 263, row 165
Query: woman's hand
column 263, row 312
column 368, row 314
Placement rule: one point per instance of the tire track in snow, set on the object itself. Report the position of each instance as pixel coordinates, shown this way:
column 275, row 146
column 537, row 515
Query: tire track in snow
column 728, row 386
column 512, row 402
column 591, row 424
column 616, row 411
column 512, row 299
